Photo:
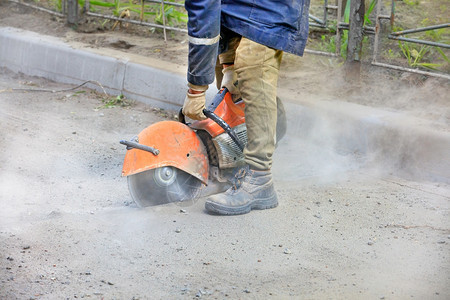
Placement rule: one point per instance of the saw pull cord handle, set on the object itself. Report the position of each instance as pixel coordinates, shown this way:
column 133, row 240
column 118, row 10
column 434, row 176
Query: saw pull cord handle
column 225, row 127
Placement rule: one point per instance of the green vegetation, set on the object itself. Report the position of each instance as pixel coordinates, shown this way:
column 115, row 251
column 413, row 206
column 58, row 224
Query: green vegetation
column 414, row 56
column 145, row 12
column 174, row 15
column 111, row 102
column 409, row 14
column 412, row 2
column 328, row 43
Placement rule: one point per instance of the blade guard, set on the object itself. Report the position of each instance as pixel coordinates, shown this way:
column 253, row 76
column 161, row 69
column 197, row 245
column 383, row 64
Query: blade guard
column 178, row 147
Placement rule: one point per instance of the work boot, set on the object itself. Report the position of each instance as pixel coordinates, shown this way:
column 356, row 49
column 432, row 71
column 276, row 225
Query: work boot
column 251, row 190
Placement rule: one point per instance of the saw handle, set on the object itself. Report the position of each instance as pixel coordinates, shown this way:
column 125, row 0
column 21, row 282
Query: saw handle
column 133, row 145
column 218, row 98
column 225, row 127
column 210, row 114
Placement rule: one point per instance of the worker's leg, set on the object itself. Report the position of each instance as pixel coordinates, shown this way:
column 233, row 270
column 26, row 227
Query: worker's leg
column 257, row 68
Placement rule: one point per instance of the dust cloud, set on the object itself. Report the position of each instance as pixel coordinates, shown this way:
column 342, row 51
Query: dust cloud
column 316, row 78
column 384, row 124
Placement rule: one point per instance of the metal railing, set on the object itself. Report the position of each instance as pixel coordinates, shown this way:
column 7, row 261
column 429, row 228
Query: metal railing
column 162, row 26
column 398, row 36
column 55, row 13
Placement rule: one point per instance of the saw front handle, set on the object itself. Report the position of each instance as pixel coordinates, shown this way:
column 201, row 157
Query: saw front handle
column 134, row 145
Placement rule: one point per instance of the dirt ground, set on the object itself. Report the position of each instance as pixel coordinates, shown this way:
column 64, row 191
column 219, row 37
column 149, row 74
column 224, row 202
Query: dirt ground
column 320, row 77
column 68, row 227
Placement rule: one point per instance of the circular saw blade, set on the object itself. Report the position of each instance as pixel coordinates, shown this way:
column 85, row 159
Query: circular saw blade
column 164, row 185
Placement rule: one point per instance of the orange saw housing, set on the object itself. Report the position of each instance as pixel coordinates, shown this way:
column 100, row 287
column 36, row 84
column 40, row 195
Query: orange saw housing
column 232, row 113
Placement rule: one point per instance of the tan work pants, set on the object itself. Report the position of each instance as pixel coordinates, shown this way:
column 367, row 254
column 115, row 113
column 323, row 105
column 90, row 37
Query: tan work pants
column 257, row 68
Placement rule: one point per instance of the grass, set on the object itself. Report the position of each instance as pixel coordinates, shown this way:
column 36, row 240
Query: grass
column 415, row 56
column 412, row 2
column 119, row 100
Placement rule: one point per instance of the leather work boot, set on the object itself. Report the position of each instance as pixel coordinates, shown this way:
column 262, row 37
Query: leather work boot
column 251, row 190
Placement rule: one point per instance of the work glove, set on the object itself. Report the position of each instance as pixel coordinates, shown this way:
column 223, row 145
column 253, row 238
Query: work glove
column 229, row 80
column 194, row 103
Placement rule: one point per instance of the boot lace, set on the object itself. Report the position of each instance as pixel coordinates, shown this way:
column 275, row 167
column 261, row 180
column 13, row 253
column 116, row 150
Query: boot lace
column 239, row 177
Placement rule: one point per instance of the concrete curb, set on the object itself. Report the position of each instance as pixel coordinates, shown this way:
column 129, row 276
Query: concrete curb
column 416, row 149
column 37, row 55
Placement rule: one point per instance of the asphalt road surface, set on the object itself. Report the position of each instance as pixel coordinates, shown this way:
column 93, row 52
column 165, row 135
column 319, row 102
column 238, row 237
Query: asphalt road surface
column 69, row 229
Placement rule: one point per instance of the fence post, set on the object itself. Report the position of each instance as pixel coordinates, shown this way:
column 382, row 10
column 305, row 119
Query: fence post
column 355, row 38
column 72, row 12
column 338, row 30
